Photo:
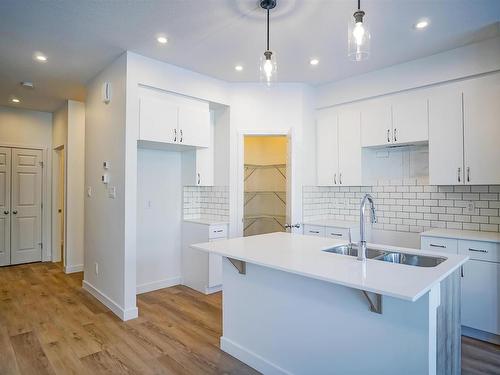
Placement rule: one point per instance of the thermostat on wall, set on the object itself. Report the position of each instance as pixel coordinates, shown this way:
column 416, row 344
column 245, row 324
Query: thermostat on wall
column 106, row 92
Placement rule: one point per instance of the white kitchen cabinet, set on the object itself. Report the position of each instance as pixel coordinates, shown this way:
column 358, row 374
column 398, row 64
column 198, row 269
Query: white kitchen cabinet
column 480, row 304
column 376, row 122
column 349, row 146
column 481, row 98
column 396, row 119
column 410, row 117
column 202, row 271
column 336, row 229
column 446, row 156
column 327, row 147
column 157, row 120
column 194, row 126
column 169, row 119
column 314, row 230
column 480, row 296
column 338, row 147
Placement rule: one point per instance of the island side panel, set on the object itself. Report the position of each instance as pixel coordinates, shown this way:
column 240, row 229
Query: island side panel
column 281, row 323
column 449, row 326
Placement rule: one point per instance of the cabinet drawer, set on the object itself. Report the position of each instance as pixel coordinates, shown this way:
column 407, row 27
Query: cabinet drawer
column 314, row 230
column 340, row 233
column 443, row 245
column 217, row 231
column 478, row 250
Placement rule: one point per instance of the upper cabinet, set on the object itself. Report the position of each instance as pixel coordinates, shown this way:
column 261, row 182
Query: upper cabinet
column 338, row 146
column 396, row 119
column 174, row 120
column 464, row 129
column 446, row 157
column 481, row 113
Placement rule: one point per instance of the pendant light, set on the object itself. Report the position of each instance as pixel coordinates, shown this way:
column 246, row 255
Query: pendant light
column 268, row 66
column 358, row 36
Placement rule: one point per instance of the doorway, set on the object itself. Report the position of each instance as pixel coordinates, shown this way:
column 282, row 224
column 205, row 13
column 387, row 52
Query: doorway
column 20, row 205
column 265, row 201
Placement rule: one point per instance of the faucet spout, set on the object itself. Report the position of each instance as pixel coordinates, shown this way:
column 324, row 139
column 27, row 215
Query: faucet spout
column 362, row 222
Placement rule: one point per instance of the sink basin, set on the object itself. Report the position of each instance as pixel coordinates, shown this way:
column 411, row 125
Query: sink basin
column 411, row 259
column 352, row 250
column 388, row 256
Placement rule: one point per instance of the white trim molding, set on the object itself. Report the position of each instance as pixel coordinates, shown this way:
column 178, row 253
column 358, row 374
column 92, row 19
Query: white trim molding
column 123, row 314
column 160, row 284
column 73, row 269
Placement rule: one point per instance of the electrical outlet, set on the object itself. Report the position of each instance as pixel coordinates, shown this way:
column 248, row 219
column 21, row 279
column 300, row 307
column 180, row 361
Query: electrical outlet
column 470, row 208
column 96, row 268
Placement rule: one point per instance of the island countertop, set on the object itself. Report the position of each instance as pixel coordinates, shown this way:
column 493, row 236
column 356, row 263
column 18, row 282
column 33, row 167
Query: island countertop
column 302, row 255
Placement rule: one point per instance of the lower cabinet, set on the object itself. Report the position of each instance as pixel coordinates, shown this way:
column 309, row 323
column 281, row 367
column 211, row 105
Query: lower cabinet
column 480, row 305
column 202, row 271
column 343, row 232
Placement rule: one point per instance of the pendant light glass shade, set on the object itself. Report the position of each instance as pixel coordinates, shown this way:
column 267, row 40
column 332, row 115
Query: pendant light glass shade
column 268, row 68
column 358, row 37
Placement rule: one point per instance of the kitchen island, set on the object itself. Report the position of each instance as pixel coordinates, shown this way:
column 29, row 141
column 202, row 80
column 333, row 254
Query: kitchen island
column 291, row 308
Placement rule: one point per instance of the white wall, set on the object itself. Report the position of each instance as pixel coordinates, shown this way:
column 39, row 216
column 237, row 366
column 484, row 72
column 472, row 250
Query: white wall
column 75, row 187
column 32, row 129
column 105, row 230
column 159, row 215
column 470, row 60
column 256, row 108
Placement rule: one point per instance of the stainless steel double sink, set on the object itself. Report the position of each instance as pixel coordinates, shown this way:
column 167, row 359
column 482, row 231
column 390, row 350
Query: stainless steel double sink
column 389, row 256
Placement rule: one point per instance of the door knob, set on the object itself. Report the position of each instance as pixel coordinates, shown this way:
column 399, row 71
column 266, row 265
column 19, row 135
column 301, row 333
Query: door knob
column 6, row 212
column 14, row 212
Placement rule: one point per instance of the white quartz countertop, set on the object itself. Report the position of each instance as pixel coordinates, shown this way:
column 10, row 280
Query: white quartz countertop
column 206, row 221
column 303, row 255
column 463, row 234
column 333, row 223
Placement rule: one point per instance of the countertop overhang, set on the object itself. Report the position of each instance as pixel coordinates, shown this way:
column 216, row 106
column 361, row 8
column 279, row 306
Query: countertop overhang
column 302, row 255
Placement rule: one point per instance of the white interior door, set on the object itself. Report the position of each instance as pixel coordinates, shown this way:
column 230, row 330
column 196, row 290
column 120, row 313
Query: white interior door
column 26, row 198
column 327, row 151
column 482, row 131
column 446, row 156
column 349, row 146
column 5, row 156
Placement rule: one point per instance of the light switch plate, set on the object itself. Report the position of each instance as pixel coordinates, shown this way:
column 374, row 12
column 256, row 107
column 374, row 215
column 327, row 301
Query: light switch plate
column 89, row 191
column 112, row 192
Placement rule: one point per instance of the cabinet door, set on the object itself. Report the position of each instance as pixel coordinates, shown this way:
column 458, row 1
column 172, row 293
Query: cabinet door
column 327, row 147
column 482, row 130
column 157, row 120
column 194, row 126
column 446, row 137
column 376, row 123
column 480, row 296
column 410, row 119
column 204, row 167
column 349, row 144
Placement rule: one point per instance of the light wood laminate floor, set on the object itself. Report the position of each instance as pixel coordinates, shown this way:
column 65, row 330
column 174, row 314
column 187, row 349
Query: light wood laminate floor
column 50, row 325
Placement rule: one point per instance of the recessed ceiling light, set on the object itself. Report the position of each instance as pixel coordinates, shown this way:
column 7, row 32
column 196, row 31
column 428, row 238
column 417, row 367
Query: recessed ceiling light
column 238, row 68
column 15, row 100
column 314, row 62
column 422, row 24
column 162, row 39
column 40, row 57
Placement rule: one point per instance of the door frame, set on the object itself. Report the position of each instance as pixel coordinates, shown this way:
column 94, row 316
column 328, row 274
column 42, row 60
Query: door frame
column 46, row 222
column 291, row 192
column 56, row 230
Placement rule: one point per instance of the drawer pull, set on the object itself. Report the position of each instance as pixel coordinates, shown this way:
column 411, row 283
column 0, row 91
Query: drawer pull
column 336, row 234
column 314, row 231
column 218, row 231
column 478, row 250
column 441, row 246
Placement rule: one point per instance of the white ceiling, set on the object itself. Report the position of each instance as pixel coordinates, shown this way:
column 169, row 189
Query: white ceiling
column 80, row 37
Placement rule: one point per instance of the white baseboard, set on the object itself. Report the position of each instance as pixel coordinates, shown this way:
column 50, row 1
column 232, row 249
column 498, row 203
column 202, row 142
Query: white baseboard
column 73, row 269
column 250, row 358
column 110, row 304
column 155, row 285
column 213, row 289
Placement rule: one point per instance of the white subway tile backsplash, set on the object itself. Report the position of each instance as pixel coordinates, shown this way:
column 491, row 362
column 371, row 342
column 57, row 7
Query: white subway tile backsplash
column 409, row 205
column 210, row 202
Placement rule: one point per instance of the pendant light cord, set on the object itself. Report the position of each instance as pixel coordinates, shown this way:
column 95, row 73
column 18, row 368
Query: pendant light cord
column 359, row 4
column 268, row 28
